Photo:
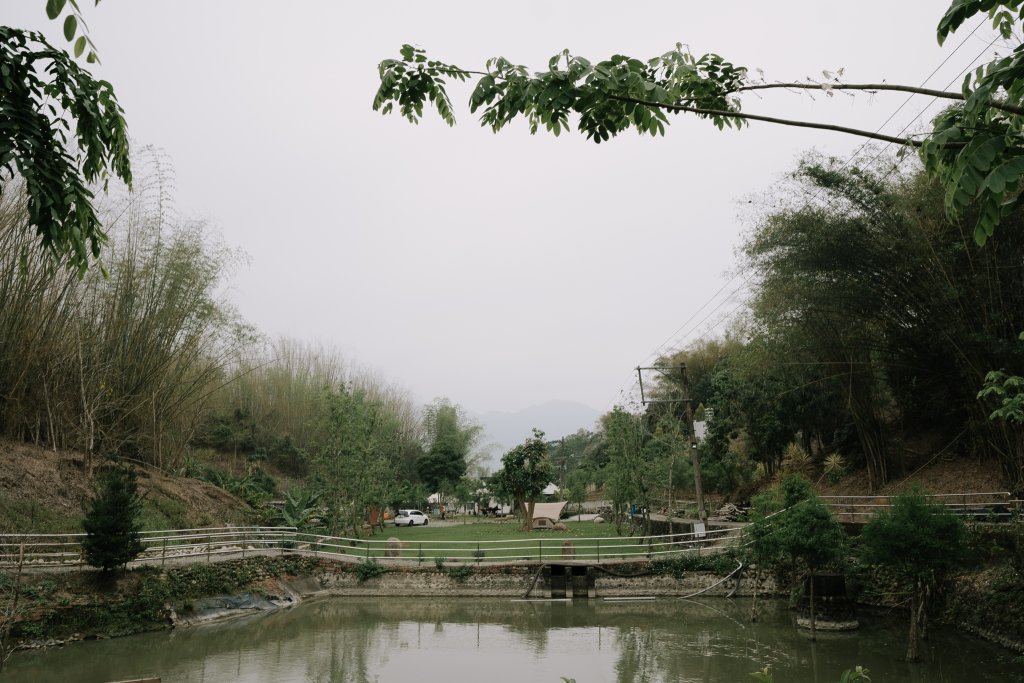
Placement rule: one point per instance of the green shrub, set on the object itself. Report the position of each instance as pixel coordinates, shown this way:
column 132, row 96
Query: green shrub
column 460, row 573
column 369, row 569
column 996, row 542
column 678, row 567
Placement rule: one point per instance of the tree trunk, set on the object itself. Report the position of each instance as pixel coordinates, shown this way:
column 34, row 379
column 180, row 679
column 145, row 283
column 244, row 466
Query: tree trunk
column 912, row 639
column 862, row 405
column 922, row 611
column 810, row 580
column 753, row 602
column 10, row 613
column 527, row 515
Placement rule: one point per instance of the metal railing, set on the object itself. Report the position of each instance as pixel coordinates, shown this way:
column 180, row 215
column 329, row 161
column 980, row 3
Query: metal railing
column 995, row 506
column 177, row 546
column 63, row 550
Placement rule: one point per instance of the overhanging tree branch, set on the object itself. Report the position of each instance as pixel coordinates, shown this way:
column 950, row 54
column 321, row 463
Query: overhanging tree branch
column 975, row 149
column 871, row 87
column 782, row 122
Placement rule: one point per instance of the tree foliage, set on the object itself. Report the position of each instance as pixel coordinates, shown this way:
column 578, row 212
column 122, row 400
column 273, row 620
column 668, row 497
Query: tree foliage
column 1008, row 390
column 525, row 471
column 878, row 304
column 357, row 461
column 916, row 538
column 975, row 146
column 62, row 130
column 801, row 535
column 111, row 523
column 448, row 438
column 921, row 542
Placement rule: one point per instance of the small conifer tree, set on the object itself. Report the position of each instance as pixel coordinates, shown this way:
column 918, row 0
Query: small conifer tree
column 921, row 542
column 111, row 523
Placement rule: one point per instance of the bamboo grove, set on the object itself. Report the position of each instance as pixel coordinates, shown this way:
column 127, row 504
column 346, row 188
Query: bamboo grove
column 871, row 325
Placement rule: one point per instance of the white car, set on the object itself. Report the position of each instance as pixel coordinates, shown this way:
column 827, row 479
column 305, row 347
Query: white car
column 411, row 518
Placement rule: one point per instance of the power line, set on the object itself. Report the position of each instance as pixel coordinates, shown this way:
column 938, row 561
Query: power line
column 849, row 161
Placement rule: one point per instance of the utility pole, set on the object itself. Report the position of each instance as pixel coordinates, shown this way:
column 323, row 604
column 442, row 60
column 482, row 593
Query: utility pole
column 694, row 455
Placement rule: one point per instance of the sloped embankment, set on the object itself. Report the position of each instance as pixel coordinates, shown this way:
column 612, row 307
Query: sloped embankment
column 46, row 491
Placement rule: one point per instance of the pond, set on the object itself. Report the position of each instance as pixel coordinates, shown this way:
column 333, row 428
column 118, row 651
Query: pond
column 341, row 640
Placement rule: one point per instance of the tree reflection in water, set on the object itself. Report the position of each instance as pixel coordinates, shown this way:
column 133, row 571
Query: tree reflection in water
column 358, row 640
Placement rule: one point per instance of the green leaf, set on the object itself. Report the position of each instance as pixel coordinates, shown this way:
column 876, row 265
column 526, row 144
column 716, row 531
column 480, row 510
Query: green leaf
column 1006, row 174
column 79, row 46
column 70, row 27
column 54, row 8
column 985, row 154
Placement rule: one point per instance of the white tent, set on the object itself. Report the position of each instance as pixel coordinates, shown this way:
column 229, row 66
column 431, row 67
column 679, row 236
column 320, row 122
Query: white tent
column 550, row 510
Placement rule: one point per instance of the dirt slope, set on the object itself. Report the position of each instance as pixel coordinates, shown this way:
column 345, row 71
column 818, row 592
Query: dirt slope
column 946, row 474
column 41, row 490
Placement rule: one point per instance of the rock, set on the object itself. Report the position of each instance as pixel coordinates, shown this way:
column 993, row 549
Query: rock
column 599, row 520
column 559, row 526
column 568, row 549
column 393, row 547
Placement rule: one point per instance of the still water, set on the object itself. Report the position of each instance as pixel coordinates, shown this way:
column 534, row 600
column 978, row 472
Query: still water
column 399, row 640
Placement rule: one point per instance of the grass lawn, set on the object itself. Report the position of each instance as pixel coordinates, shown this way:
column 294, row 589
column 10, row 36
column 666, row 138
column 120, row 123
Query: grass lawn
column 504, row 540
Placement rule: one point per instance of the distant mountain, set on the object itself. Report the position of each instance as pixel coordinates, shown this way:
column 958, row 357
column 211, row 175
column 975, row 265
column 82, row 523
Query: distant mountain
column 502, row 431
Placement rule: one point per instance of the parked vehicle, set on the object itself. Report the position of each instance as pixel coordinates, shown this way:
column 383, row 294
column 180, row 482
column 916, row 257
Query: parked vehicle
column 411, row 518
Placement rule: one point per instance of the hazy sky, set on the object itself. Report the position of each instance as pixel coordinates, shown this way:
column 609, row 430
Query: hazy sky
column 502, row 270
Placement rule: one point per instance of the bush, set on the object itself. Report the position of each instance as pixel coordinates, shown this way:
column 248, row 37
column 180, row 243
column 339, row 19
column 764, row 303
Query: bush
column 460, row 573
column 677, row 567
column 369, row 569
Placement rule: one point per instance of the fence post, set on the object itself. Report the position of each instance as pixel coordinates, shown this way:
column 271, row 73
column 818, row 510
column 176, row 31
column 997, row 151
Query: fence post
column 244, row 535
column 209, row 547
column 599, row 551
column 163, row 554
column 540, row 551
column 478, row 555
column 419, row 555
column 367, row 549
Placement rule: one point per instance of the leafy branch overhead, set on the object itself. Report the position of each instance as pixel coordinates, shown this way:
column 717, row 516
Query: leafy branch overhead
column 976, row 147
column 62, row 130
column 74, row 24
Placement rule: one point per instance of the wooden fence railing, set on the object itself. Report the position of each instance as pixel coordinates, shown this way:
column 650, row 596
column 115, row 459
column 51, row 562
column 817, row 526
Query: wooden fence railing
column 991, row 506
column 41, row 551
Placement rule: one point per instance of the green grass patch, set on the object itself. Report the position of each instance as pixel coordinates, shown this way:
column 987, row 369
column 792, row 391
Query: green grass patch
column 29, row 516
column 505, row 541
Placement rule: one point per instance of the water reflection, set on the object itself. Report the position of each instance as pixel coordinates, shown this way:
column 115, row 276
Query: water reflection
column 346, row 640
